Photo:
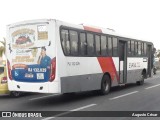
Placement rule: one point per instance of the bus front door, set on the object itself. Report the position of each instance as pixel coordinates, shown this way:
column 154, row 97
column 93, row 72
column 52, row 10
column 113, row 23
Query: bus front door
column 122, row 62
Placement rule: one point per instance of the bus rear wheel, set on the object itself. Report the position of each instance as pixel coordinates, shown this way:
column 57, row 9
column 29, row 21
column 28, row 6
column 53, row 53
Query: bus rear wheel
column 105, row 85
column 15, row 94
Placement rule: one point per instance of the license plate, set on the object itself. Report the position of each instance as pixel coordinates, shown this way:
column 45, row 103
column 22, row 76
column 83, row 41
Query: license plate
column 29, row 75
column 40, row 75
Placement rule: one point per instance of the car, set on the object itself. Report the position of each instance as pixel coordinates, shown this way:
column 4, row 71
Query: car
column 3, row 81
column 156, row 59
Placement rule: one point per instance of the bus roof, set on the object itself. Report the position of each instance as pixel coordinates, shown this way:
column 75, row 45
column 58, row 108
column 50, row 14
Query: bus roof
column 79, row 26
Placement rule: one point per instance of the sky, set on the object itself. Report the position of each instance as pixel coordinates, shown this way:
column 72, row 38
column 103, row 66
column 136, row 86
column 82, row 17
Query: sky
column 136, row 18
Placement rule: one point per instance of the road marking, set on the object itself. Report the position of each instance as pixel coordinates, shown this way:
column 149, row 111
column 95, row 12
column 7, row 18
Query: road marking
column 152, row 86
column 87, row 106
column 43, row 97
column 123, row 95
column 70, row 111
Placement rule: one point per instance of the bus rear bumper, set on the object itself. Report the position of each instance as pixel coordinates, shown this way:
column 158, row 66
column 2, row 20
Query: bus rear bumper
column 33, row 87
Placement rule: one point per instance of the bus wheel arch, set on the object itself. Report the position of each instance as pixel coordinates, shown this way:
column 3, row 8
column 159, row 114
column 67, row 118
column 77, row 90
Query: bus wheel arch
column 105, row 84
column 144, row 75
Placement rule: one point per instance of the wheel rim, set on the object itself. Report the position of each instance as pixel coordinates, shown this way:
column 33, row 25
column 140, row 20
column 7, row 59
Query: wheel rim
column 106, row 86
column 16, row 94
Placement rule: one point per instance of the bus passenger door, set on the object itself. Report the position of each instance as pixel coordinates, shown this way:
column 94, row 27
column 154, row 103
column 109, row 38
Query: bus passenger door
column 122, row 62
column 150, row 61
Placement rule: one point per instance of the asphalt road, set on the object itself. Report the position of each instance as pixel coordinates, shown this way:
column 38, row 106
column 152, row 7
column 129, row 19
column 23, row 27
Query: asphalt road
column 127, row 98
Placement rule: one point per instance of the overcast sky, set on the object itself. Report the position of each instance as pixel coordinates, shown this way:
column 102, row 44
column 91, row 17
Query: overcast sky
column 137, row 18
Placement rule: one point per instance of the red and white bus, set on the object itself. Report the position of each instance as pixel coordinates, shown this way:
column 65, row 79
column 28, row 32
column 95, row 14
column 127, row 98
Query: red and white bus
column 52, row 56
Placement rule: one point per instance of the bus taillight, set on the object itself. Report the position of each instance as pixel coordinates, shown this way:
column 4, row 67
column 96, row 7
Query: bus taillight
column 53, row 69
column 9, row 70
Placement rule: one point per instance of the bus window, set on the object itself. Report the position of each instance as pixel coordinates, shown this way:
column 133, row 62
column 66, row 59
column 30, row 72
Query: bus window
column 65, row 41
column 90, row 46
column 109, row 46
column 139, row 49
column 136, row 47
column 132, row 48
column 115, row 48
column 142, row 48
column 97, row 40
column 129, row 48
column 74, row 42
column 83, row 44
column 103, row 45
column 145, row 49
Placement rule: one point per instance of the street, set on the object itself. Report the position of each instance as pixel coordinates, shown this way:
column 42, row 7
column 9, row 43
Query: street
column 126, row 98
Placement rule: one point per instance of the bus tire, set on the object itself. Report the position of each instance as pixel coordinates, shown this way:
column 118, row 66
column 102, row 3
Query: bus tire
column 15, row 94
column 105, row 85
column 141, row 82
column 69, row 94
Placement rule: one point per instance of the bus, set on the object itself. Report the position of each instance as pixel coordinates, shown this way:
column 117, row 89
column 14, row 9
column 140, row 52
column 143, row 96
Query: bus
column 52, row 56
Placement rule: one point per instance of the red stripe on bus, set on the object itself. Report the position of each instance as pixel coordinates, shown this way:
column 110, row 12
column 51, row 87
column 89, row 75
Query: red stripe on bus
column 92, row 29
column 107, row 65
column 114, row 68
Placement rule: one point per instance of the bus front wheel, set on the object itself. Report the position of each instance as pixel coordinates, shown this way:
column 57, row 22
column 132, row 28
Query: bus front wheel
column 105, row 85
column 141, row 82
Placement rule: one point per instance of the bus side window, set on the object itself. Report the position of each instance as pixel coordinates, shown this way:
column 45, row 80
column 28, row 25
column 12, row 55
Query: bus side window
column 145, row 49
column 142, row 48
column 129, row 48
column 109, row 46
column 132, row 48
column 136, row 48
column 115, row 47
column 65, row 41
column 97, row 40
column 83, row 44
column 90, row 44
column 103, row 45
column 74, row 42
column 139, row 49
